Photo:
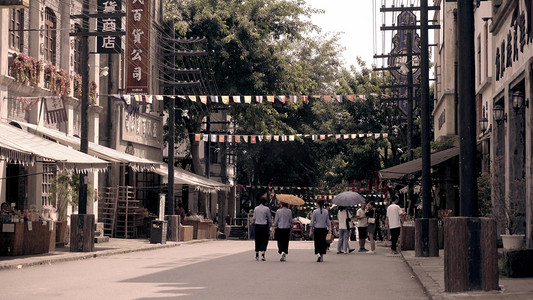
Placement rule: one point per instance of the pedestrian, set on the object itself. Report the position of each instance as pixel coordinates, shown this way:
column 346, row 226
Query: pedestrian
column 321, row 224
column 345, row 225
column 180, row 211
column 262, row 219
column 282, row 225
column 393, row 223
column 373, row 225
column 362, row 225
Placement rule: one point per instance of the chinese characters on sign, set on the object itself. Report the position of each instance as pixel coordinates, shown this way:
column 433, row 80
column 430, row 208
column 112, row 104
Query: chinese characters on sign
column 138, row 47
column 144, row 130
column 512, row 45
column 109, row 44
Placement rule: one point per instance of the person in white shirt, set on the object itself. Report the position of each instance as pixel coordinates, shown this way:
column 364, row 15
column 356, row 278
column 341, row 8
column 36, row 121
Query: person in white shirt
column 345, row 223
column 362, row 225
column 393, row 223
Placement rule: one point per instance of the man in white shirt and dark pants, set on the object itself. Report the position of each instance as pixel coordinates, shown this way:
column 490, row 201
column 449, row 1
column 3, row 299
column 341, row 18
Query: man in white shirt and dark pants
column 393, row 223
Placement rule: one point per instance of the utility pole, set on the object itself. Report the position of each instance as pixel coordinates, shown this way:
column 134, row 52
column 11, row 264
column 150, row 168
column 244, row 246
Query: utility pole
column 424, row 99
column 471, row 255
column 171, row 134
column 82, row 224
column 84, row 130
column 426, row 229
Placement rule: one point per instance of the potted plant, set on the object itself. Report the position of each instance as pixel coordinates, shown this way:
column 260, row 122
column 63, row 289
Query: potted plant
column 64, row 191
column 512, row 213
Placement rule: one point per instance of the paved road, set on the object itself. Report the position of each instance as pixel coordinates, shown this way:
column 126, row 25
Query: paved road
column 218, row 270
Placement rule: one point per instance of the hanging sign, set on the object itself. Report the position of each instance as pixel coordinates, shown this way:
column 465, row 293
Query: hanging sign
column 401, row 42
column 138, row 47
column 106, row 23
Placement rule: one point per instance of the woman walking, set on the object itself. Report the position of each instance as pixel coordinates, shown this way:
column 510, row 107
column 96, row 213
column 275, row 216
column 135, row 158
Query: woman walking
column 262, row 219
column 321, row 224
column 282, row 225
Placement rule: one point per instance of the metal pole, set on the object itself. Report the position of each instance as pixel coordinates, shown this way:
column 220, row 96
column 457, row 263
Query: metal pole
column 424, row 104
column 171, row 136
column 467, row 109
column 208, row 147
column 84, row 130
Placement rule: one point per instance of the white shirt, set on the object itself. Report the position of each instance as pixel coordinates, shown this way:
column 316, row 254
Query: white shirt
column 342, row 218
column 364, row 221
column 393, row 214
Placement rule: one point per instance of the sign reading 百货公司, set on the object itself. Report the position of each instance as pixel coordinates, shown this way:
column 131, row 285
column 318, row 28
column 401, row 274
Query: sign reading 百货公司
column 138, row 47
column 109, row 44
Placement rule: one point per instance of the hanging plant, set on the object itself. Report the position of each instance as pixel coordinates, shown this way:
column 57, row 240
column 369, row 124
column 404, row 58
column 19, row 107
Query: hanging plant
column 58, row 80
column 92, row 92
column 77, row 85
column 26, row 69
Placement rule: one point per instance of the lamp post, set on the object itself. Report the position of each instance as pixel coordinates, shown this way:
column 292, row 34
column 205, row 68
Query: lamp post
column 499, row 114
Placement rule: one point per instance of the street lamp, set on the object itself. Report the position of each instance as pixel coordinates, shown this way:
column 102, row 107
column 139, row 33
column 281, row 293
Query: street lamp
column 518, row 101
column 499, row 114
column 483, row 124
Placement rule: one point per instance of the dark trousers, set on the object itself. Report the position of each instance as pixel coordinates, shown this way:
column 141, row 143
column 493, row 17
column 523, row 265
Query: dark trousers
column 320, row 240
column 283, row 235
column 395, row 233
column 262, row 234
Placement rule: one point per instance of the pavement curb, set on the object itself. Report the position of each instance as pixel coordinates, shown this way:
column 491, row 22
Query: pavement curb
column 73, row 256
column 428, row 285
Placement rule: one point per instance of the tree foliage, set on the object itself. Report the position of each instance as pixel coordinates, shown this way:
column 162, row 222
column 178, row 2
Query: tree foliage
column 264, row 47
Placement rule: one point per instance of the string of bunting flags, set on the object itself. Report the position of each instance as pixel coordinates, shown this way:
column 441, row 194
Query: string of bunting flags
column 253, row 138
column 129, row 99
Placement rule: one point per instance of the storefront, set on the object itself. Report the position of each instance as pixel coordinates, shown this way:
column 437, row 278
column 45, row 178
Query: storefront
column 511, row 118
column 29, row 228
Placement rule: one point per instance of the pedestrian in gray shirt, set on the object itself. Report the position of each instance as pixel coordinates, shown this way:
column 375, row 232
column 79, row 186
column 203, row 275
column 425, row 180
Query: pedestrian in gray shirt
column 321, row 224
column 282, row 225
column 262, row 219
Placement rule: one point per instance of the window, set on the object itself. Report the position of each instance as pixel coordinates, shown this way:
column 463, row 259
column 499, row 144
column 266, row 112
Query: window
column 50, row 34
column 76, row 61
column 16, row 24
column 49, row 171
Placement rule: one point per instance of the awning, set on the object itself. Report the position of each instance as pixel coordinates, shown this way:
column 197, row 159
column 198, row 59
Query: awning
column 19, row 146
column 183, row 177
column 409, row 167
column 112, row 155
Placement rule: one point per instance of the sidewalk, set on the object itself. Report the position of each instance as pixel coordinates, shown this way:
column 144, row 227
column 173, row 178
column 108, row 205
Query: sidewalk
column 113, row 247
column 430, row 273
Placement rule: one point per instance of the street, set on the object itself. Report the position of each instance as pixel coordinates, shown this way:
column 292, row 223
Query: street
column 218, row 270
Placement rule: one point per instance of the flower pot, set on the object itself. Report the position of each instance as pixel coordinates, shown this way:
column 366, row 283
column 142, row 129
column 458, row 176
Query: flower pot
column 514, row 241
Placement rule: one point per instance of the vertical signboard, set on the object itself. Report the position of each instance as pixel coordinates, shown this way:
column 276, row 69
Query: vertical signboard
column 399, row 52
column 137, row 54
column 106, row 22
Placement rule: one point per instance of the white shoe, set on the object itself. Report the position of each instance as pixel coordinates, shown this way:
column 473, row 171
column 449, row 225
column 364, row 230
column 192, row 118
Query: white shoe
column 371, row 252
column 283, row 256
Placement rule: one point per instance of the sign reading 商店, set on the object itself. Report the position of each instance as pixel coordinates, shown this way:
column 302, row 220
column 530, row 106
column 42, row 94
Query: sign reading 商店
column 138, row 47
